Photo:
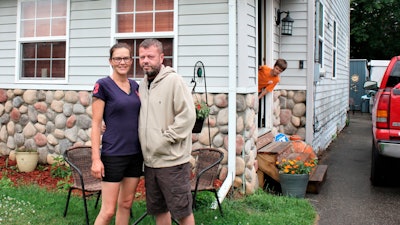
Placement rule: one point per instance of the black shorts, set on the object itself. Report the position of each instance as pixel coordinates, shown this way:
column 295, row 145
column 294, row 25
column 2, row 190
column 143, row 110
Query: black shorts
column 118, row 167
column 168, row 189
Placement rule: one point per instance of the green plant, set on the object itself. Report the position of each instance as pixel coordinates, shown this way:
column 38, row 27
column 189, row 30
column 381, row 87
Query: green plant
column 64, row 184
column 296, row 166
column 58, row 168
column 202, row 110
column 24, row 149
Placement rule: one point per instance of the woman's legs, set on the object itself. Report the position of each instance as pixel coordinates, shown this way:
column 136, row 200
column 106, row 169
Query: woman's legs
column 109, row 196
column 125, row 199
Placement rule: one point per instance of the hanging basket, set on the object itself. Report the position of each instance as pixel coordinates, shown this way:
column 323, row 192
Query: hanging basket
column 198, row 126
column 294, row 185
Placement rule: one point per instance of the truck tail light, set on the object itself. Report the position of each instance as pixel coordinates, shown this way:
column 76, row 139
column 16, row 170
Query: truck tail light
column 382, row 113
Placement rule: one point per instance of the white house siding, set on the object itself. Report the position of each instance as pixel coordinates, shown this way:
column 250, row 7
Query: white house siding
column 8, row 27
column 328, row 98
column 247, row 44
column 294, row 48
column 203, row 36
column 89, row 42
column 331, row 94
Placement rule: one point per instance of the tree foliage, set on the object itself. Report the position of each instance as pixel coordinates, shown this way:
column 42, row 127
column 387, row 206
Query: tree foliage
column 375, row 29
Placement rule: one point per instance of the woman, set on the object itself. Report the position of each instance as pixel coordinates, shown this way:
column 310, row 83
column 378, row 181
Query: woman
column 116, row 102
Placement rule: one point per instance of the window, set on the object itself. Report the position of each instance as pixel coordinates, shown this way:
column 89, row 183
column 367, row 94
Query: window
column 334, row 50
column 42, row 39
column 320, row 33
column 140, row 19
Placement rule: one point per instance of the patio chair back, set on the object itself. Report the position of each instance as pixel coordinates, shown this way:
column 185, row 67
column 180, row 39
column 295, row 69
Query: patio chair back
column 80, row 161
column 205, row 172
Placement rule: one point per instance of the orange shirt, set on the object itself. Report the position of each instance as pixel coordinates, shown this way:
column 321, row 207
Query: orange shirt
column 264, row 76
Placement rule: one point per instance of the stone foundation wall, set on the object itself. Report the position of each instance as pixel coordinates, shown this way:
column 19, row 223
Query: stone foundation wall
column 216, row 136
column 49, row 121
column 290, row 112
column 53, row 121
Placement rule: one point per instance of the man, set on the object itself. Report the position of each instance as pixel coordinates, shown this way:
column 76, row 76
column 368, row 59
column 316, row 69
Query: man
column 167, row 116
column 269, row 77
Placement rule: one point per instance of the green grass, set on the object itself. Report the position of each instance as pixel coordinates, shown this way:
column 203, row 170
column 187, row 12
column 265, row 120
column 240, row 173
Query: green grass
column 33, row 205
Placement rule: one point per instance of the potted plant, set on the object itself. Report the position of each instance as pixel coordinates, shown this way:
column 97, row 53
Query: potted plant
column 202, row 111
column 294, row 175
column 27, row 159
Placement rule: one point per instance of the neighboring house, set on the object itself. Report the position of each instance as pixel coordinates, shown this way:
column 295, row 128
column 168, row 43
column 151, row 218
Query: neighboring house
column 53, row 51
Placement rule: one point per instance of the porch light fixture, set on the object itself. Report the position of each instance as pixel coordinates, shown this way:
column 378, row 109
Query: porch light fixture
column 287, row 22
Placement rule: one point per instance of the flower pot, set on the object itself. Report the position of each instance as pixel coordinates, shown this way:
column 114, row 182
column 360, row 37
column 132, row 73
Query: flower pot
column 198, row 126
column 27, row 161
column 294, row 185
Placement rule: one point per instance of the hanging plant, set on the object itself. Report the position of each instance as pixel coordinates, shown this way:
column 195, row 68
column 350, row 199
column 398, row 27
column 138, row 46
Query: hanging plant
column 202, row 110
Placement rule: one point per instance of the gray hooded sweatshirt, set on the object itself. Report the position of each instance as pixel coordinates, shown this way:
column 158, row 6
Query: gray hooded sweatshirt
column 166, row 119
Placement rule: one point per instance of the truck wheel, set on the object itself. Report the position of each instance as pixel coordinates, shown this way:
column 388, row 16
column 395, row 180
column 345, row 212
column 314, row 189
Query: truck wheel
column 377, row 177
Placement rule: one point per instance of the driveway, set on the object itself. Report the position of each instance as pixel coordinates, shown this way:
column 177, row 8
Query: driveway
column 347, row 196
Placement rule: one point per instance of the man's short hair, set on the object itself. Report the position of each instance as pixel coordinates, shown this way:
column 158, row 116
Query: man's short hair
column 152, row 42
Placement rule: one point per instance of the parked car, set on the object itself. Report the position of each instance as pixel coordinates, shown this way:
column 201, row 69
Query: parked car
column 385, row 123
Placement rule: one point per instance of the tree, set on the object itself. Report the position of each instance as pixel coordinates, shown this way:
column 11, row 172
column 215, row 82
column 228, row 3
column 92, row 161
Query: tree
column 375, row 29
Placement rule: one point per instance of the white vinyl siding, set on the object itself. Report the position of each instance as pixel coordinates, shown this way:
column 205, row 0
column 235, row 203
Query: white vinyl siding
column 8, row 25
column 332, row 95
column 294, row 48
column 89, row 42
column 203, row 36
column 247, row 44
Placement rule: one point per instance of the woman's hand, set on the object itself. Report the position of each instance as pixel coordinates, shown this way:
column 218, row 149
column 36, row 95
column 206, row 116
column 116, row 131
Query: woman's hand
column 97, row 169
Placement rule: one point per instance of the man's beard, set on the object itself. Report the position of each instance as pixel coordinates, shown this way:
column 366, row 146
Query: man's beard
column 153, row 73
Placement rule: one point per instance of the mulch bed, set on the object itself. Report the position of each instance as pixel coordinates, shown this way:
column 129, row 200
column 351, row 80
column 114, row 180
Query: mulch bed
column 42, row 177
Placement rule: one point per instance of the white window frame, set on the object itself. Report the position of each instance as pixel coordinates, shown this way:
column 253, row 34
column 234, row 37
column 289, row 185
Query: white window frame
column 21, row 40
column 142, row 35
column 334, row 50
column 320, row 35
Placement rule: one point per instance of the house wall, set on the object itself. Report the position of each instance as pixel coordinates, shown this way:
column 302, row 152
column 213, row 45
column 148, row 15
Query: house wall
column 294, row 48
column 332, row 93
column 204, row 36
column 329, row 96
column 89, row 43
column 8, row 28
column 54, row 117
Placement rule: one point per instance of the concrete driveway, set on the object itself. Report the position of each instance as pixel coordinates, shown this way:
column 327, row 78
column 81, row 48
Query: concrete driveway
column 347, row 196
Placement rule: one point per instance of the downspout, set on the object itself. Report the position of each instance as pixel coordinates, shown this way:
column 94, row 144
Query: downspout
column 225, row 187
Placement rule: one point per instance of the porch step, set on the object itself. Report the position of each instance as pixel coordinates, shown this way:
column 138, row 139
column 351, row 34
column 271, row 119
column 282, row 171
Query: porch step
column 268, row 152
column 275, row 148
column 264, row 140
column 317, row 178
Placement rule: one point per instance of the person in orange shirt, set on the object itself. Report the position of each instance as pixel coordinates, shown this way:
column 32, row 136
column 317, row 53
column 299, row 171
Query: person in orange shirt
column 269, row 77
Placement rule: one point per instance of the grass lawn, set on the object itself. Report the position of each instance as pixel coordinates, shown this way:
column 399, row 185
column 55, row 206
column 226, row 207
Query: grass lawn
column 33, row 205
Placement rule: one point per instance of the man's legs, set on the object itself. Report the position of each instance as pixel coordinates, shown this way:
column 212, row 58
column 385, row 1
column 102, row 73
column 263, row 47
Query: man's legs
column 163, row 219
column 189, row 220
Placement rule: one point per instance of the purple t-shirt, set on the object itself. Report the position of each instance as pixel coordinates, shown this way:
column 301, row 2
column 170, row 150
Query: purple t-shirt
column 121, row 116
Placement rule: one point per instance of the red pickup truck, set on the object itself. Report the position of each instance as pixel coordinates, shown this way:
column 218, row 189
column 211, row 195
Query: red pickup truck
column 386, row 123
